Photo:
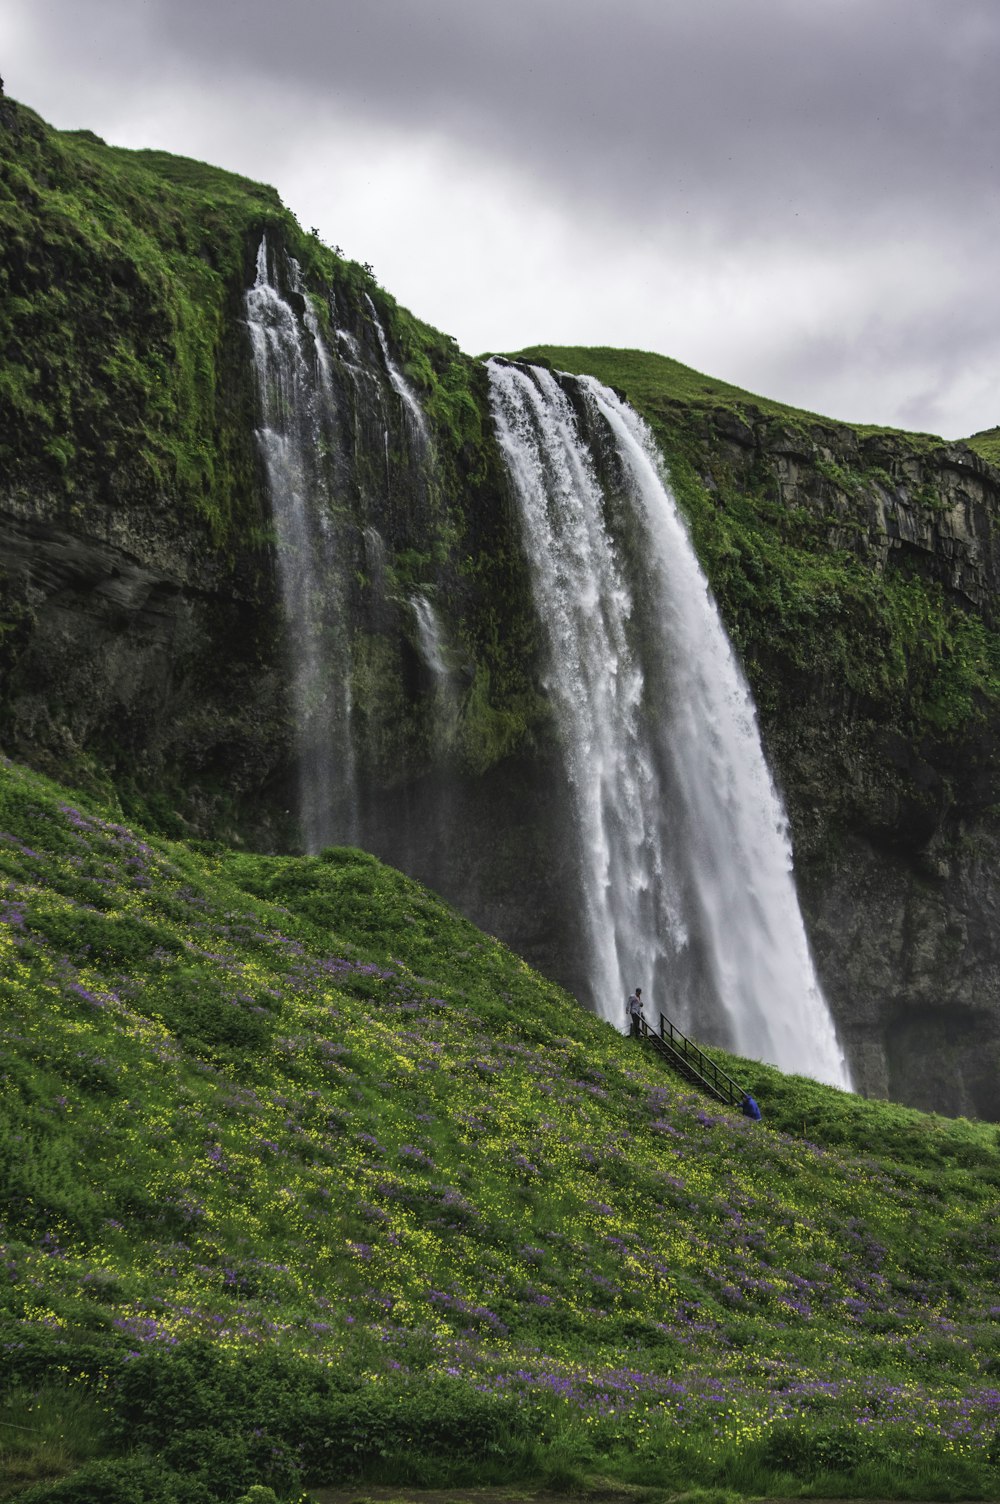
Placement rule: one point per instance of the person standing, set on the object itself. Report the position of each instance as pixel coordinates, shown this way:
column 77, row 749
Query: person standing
column 633, row 1010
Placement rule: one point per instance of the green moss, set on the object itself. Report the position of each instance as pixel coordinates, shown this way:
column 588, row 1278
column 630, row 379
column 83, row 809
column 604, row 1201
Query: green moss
column 493, row 727
column 388, row 725
column 118, row 269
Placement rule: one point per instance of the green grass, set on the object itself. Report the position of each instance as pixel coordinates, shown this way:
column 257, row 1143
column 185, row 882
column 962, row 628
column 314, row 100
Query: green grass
column 306, row 1180
column 987, row 444
column 46, row 1431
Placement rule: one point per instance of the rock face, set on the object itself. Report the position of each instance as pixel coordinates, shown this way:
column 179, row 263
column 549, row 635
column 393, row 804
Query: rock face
column 145, row 651
column 134, row 657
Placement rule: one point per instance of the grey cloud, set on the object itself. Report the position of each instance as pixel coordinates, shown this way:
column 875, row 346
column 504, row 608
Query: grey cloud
column 752, row 113
column 930, row 359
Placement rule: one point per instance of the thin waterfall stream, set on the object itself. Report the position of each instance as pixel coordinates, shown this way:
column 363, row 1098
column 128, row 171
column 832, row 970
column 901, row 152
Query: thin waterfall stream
column 298, row 421
column 684, row 853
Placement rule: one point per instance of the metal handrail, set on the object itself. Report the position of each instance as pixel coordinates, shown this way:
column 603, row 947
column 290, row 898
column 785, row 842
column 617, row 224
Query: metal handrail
column 720, row 1082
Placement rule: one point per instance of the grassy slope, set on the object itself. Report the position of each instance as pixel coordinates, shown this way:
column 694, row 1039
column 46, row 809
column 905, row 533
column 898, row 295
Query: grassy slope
column 306, row 1178
column 987, row 444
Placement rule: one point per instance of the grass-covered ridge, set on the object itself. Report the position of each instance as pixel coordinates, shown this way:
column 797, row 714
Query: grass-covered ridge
column 651, row 380
column 987, row 444
column 306, row 1179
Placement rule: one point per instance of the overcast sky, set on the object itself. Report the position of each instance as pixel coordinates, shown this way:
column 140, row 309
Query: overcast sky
column 799, row 196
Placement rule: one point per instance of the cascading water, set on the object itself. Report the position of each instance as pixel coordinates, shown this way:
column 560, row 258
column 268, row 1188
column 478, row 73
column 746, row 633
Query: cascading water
column 375, row 560
column 433, row 649
column 297, row 431
column 402, row 388
column 686, row 869
column 429, row 636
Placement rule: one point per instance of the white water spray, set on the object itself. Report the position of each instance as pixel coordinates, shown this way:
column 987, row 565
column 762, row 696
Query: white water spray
column 686, row 867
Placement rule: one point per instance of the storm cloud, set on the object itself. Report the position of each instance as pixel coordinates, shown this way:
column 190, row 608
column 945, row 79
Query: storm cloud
column 800, row 196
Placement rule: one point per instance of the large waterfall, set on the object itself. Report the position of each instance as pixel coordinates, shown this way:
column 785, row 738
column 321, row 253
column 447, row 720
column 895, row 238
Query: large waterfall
column 685, row 860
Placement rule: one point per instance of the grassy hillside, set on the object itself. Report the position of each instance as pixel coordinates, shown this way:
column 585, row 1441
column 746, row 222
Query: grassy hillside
column 307, row 1181
column 987, row 444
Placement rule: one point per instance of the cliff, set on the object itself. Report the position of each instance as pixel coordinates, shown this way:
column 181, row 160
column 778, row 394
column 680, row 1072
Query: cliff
column 145, row 651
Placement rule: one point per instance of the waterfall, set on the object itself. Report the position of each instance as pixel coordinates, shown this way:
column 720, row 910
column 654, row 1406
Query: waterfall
column 444, row 700
column 402, row 388
column 296, row 435
column 375, row 560
column 685, row 858
column 429, row 636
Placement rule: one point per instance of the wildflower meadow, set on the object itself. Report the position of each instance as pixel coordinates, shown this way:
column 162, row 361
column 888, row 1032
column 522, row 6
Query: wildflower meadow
column 307, row 1182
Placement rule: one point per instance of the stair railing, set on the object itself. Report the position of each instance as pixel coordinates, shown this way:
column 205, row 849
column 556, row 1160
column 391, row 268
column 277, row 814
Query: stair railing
column 712, row 1077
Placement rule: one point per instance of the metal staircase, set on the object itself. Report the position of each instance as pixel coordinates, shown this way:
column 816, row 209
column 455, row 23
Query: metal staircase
column 684, row 1056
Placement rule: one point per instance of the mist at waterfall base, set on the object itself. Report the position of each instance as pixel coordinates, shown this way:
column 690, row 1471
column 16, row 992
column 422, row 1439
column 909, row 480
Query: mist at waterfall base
column 685, row 856
column 682, row 858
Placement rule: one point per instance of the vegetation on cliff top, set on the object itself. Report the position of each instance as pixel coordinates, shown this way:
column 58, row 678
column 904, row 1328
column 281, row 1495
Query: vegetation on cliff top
column 653, row 381
column 116, row 272
column 306, row 1180
column 987, row 444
